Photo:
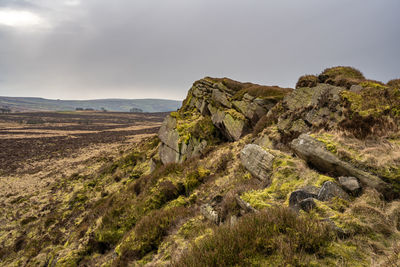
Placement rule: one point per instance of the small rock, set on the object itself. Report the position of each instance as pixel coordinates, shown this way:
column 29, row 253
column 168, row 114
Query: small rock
column 297, row 196
column 350, row 184
column 307, row 204
column 330, row 190
column 153, row 164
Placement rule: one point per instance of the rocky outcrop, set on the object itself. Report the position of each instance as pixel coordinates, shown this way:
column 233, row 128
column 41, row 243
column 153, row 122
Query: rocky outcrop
column 214, row 110
column 308, row 108
column 233, row 110
column 315, row 153
column 257, row 161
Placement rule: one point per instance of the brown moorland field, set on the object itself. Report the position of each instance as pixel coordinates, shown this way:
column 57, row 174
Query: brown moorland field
column 28, row 138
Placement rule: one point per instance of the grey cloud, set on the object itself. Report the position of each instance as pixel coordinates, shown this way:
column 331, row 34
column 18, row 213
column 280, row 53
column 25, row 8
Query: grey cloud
column 158, row 48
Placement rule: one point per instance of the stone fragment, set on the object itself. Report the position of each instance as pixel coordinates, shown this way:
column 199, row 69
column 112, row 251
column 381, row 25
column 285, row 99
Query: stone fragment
column 350, row 185
column 330, row 190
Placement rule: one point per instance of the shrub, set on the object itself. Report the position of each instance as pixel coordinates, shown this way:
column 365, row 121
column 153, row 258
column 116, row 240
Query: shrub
column 394, row 83
column 307, row 81
column 276, row 232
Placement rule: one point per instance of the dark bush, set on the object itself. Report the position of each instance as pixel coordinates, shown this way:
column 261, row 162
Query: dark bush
column 394, row 83
column 307, row 81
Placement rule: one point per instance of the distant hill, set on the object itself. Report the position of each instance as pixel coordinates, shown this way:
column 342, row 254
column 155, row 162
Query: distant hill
column 123, row 105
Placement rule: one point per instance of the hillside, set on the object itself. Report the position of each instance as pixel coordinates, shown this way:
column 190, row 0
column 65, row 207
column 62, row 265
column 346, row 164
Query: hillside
column 122, row 105
column 241, row 175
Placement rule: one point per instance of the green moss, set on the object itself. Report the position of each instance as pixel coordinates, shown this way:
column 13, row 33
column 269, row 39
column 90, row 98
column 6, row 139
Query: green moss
column 344, row 253
column 194, row 179
column 193, row 228
column 258, row 199
column 235, row 114
column 322, row 179
column 327, row 140
column 181, row 201
column 373, row 84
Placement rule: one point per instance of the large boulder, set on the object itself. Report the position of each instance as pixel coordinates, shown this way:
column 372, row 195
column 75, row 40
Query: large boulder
column 316, row 154
column 257, row 161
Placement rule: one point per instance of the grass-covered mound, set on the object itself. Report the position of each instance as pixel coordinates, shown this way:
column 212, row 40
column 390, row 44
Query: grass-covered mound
column 339, row 76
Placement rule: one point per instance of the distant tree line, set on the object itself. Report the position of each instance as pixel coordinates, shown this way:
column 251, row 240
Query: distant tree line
column 133, row 110
column 84, row 109
column 136, row 110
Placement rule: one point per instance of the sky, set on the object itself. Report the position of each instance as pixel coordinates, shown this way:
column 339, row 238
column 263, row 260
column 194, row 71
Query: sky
column 91, row 49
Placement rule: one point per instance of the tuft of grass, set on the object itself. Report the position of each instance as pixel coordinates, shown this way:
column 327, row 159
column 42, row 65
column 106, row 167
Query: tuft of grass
column 307, row 81
column 148, row 233
column 259, row 239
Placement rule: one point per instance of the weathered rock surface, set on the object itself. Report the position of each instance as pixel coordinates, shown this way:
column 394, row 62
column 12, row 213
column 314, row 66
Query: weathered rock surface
column 350, row 185
column 308, row 108
column 330, row 190
column 315, row 153
column 257, row 161
column 297, row 196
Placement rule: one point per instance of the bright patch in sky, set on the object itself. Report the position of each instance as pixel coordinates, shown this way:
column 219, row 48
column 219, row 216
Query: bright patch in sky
column 18, row 18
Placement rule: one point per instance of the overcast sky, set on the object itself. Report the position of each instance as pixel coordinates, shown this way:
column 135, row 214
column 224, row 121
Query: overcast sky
column 86, row 49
